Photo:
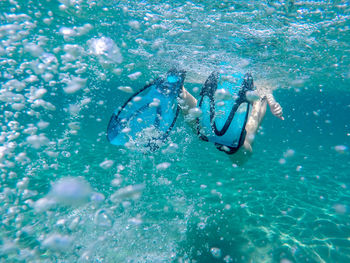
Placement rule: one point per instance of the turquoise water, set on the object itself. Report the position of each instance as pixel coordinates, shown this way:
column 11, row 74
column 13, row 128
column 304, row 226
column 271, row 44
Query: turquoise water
column 67, row 195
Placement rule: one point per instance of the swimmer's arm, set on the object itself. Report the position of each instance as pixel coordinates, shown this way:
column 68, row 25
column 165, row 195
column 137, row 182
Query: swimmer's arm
column 274, row 106
column 257, row 114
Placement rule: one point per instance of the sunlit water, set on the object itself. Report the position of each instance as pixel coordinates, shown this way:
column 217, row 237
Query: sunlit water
column 67, row 195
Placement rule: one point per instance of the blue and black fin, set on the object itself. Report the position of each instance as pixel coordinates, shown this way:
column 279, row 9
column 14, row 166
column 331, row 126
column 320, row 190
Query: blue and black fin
column 148, row 116
column 223, row 120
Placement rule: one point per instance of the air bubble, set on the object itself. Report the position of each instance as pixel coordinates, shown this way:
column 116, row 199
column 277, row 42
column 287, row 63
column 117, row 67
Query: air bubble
column 216, row 252
column 228, row 259
column 105, row 49
column 163, row 166
column 103, row 219
column 341, row 149
column 107, row 164
column 128, row 192
column 222, row 94
column 37, row 141
column 155, row 103
column 195, row 112
column 57, row 242
column 172, row 148
column 134, row 24
column 201, row 225
column 74, row 85
column 70, row 191
column 126, row 89
column 44, row 204
column 134, row 76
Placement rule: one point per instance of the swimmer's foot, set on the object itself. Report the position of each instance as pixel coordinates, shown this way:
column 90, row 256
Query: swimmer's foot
column 247, row 146
column 275, row 107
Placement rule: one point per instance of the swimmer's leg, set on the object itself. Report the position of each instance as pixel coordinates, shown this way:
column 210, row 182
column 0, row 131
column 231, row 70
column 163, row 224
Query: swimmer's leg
column 255, row 118
column 186, row 103
column 257, row 115
column 253, row 123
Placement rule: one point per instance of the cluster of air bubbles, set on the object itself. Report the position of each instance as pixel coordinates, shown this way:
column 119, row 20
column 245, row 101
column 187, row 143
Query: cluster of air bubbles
column 69, row 33
column 37, row 141
column 76, row 194
column 44, row 91
column 73, row 84
column 69, row 191
column 144, row 140
column 171, row 148
column 228, row 259
column 105, row 50
column 195, row 113
column 222, row 94
column 289, row 153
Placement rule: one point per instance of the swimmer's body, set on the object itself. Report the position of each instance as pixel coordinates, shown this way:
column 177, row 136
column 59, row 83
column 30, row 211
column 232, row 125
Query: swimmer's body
column 238, row 126
column 264, row 97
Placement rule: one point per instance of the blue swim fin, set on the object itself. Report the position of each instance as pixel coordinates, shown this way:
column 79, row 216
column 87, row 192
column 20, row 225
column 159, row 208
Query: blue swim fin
column 148, row 116
column 225, row 110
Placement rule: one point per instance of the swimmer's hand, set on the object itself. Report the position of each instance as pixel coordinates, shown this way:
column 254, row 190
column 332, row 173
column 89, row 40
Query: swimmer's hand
column 275, row 107
column 276, row 110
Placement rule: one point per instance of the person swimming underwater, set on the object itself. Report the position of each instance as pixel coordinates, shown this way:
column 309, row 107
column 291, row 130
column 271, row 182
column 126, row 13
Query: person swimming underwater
column 228, row 113
column 246, row 101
